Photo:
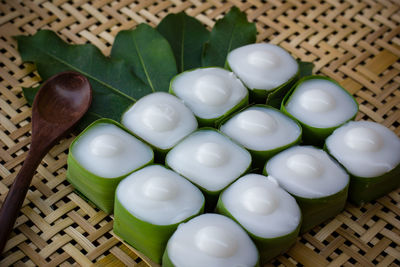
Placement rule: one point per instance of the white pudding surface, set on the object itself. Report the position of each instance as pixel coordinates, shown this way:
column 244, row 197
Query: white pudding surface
column 261, row 128
column 160, row 119
column 262, row 66
column 321, row 103
column 209, row 159
column 108, row 151
column 209, row 92
column 261, row 206
column 159, row 196
column 211, row 240
column 307, row 172
column 364, row 148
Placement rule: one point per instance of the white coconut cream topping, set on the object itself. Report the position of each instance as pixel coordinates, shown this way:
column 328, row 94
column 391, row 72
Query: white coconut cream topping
column 159, row 196
column 364, row 148
column 261, row 128
column 108, row 151
column 160, row 119
column 261, row 206
column 262, row 66
column 321, row 103
column 209, row 92
column 308, row 172
column 211, row 240
column 209, row 159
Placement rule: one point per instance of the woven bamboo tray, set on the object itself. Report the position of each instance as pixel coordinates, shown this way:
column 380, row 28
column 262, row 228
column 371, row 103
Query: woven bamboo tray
column 355, row 42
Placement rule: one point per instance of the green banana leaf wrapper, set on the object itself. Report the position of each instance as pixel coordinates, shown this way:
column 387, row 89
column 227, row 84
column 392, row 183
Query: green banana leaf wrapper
column 313, row 135
column 260, row 157
column 212, row 122
column 97, row 189
column 271, row 97
column 366, row 189
column 363, row 190
column 268, row 248
column 315, row 211
column 148, row 238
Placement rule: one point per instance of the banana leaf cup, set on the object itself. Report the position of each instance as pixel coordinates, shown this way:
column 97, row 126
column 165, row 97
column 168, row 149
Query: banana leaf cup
column 317, row 182
column 210, row 240
column 161, row 120
column 210, row 160
column 363, row 190
column 261, row 207
column 267, row 70
column 212, row 93
column 97, row 181
column 371, row 155
column 320, row 105
column 149, row 206
column 263, row 130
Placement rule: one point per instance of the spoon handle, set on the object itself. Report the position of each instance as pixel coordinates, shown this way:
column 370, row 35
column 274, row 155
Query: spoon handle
column 16, row 195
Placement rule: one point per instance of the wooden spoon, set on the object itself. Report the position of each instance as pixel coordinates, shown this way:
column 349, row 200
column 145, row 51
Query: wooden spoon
column 59, row 104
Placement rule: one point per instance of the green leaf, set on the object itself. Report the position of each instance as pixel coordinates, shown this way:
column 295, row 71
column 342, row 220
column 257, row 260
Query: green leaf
column 115, row 88
column 305, row 68
column 187, row 36
column 148, row 54
column 30, row 93
column 228, row 33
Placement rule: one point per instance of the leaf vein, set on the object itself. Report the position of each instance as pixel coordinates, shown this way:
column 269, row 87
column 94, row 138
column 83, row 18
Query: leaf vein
column 182, row 43
column 231, row 39
column 86, row 74
column 143, row 65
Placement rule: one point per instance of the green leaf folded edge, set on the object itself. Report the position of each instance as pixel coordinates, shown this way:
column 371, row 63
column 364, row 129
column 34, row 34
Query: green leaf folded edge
column 30, row 92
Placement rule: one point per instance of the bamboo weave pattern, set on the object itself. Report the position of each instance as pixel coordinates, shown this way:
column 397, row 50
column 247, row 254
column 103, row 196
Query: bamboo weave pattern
column 356, row 42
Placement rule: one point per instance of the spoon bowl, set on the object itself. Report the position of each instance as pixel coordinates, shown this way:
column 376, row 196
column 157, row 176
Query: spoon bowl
column 66, row 93
column 59, row 104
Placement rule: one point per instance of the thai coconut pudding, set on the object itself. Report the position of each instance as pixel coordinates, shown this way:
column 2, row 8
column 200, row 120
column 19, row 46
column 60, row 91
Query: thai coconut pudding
column 262, row 66
column 159, row 196
column 211, row 240
column 209, row 92
column 261, row 206
column 160, row 119
column 209, row 159
column 307, row 172
column 149, row 205
column 108, row 151
column 261, row 128
column 364, row 148
column 321, row 103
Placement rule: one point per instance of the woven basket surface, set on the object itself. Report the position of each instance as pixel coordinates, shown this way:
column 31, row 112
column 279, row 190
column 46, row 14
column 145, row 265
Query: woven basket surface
column 356, row 42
